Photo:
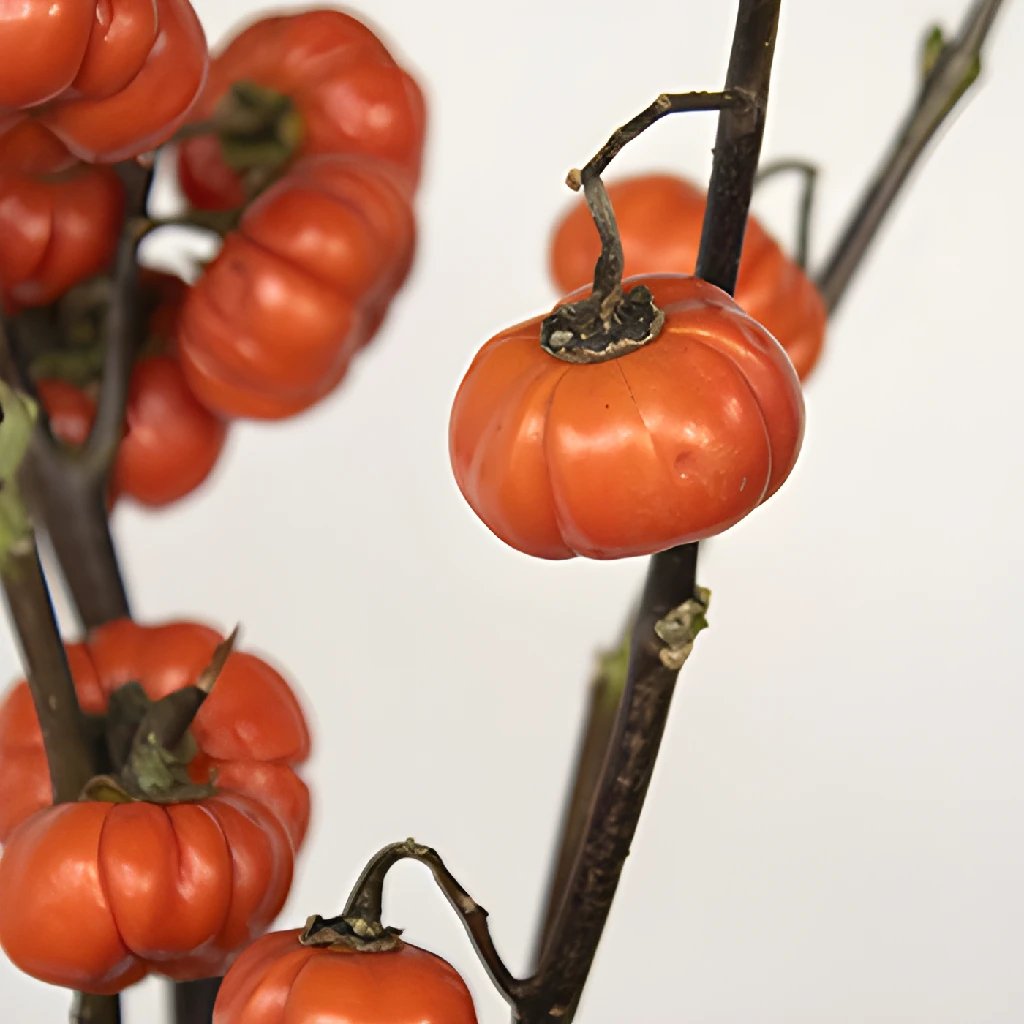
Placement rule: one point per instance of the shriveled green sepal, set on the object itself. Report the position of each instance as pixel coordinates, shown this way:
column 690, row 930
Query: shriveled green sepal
column 17, row 422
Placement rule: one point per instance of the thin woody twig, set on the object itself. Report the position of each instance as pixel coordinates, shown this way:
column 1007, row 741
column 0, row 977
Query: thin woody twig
column 809, row 173
column 122, row 331
column 665, row 104
column 951, row 68
column 61, row 722
column 70, row 488
column 603, row 699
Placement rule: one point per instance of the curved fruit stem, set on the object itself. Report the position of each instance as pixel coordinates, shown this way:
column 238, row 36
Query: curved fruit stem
column 360, row 925
column 809, row 173
column 610, row 322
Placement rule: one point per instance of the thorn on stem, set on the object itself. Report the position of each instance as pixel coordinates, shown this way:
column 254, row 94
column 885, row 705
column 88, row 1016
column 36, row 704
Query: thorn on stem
column 220, row 655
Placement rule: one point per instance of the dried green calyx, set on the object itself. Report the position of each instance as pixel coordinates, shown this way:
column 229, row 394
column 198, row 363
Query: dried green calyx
column 260, row 132
column 17, row 422
column 599, row 328
column 351, row 934
column 149, row 745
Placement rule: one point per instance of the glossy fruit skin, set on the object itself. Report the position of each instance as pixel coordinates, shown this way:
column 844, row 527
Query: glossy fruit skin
column 671, row 443
column 118, row 77
column 278, row 981
column 660, row 218
column 94, row 896
column 250, row 730
column 29, row 147
column 272, row 324
column 59, row 218
column 171, row 442
column 350, row 94
column 46, row 47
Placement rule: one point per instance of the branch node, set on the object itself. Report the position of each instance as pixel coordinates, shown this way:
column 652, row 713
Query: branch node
column 679, row 628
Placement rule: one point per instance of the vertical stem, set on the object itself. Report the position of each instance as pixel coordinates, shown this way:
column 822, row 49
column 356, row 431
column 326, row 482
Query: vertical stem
column 738, row 144
column 576, row 931
column 572, row 941
column 73, row 506
column 605, row 695
column 192, row 1001
column 61, row 721
column 91, row 1009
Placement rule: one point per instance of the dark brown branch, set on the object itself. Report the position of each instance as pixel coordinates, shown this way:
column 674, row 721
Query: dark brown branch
column 61, row 722
column 572, row 941
column 122, row 332
column 738, row 144
column 951, row 69
column 60, row 718
column 603, row 699
column 89, row 1009
column 69, row 753
column 361, row 918
column 69, row 489
column 75, row 485
column 72, row 505
column 192, row 1001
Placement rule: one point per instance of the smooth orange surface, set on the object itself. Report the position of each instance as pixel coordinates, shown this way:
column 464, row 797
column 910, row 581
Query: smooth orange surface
column 672, row 443
column 251, row 730
column 273, row 322
column 42, row 46
column 28, row 147
column 171, row 442
column 71, row 48
column 350, row 94
column 151, row 107
column 123, row 35
column 278, row 981
column 110, row 80
column 94, row 895
column 59, row 219
column 660, row 218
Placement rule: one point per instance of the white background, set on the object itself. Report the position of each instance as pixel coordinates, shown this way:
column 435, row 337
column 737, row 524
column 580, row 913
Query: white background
column 836, row 827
